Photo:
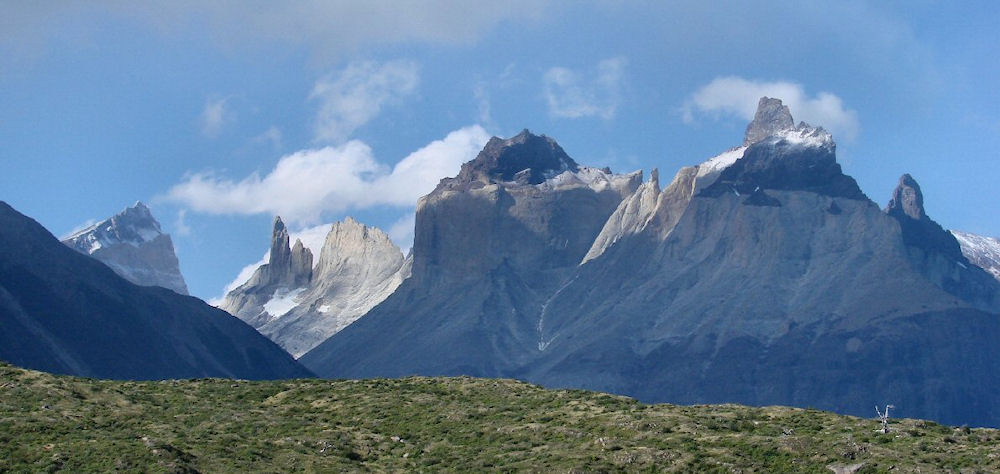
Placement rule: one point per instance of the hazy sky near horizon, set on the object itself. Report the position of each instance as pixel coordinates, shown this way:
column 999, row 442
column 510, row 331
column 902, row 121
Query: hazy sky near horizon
column 222, row 114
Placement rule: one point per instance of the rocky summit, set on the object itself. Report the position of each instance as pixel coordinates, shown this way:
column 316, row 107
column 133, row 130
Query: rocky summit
column 133, row 245
column 299, row 306
column 763, row 276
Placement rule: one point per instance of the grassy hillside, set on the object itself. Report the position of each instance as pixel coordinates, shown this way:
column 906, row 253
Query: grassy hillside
column 427, row 424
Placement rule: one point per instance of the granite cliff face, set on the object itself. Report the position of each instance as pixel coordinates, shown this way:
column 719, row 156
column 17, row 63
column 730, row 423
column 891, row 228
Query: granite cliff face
column 68, row 313
column 299, row 306
column 489, row 250
column 763, row 276
column 132, row 244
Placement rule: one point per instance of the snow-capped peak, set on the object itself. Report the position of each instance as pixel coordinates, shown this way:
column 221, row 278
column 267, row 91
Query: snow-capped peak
column 133, row 225
column 983, row 251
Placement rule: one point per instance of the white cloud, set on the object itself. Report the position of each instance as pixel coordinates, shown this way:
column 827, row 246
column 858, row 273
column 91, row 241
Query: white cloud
column 180, row 226
column 214, row 117
column 571, row 96
column 401, row 232
column 736, row 96
column 355, row 95
column 272, row 135
column 306, row 184
column 326, row 29
column 312, row 238
column 483, row 106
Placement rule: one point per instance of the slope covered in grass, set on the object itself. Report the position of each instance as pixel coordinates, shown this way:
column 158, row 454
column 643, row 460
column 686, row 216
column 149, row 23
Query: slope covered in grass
column 64, row 423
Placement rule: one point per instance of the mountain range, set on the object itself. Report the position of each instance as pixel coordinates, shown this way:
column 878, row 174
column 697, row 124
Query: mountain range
column 68, row 313
column 761, row 276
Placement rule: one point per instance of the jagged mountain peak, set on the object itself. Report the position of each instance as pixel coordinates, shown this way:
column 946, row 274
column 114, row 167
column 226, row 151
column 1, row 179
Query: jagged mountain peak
column 777, row 155
column 772, row 116
column 919, row 230
column 526, row 158
column 773, row 120
column 907, row 199
column 132, row 243
column 132, row 225
column 298, row 305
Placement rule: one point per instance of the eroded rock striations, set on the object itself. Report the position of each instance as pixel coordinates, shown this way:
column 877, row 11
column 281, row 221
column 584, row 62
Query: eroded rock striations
column 299, row 306
column 762, row 276
column 133, row 245
column 67, row 313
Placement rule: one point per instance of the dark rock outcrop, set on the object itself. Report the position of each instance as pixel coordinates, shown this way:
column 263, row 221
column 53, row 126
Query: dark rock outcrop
column 934, row 251
column 907, row 207
column 525, row 158
column 67, row 313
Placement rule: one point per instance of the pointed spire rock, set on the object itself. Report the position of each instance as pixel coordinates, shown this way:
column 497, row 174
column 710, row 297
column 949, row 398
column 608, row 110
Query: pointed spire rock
column 919, row 230
column 907, row 200
column 302, row 264
column 771, row 117
column 280, row 252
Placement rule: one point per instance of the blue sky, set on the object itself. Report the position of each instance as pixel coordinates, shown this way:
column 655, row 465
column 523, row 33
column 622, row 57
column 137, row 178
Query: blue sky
column 220, row 115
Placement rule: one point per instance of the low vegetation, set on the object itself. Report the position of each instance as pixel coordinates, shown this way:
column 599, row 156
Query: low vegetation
column 51, row 423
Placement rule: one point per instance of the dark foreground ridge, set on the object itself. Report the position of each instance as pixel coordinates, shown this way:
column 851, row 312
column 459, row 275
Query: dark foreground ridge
column 463, row 424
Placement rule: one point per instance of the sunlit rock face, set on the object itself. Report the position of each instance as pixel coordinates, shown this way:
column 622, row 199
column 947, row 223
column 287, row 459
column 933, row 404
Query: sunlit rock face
column 299, row 306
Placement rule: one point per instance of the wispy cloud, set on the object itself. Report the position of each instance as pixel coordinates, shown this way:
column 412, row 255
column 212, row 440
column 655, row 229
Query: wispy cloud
column 351, row 97
column 326, row 29
column 308, row 183
column 214, row 117
column 272, row 136
column 573, row 95
column 181, row 227
column 737, row 97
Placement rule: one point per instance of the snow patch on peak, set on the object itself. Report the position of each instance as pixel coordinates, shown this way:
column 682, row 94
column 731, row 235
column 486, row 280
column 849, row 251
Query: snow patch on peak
column 710, row 170
column 282, row 302
column 597, row 179
column 133, row 226
column 805, row 136
column 982, row 251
